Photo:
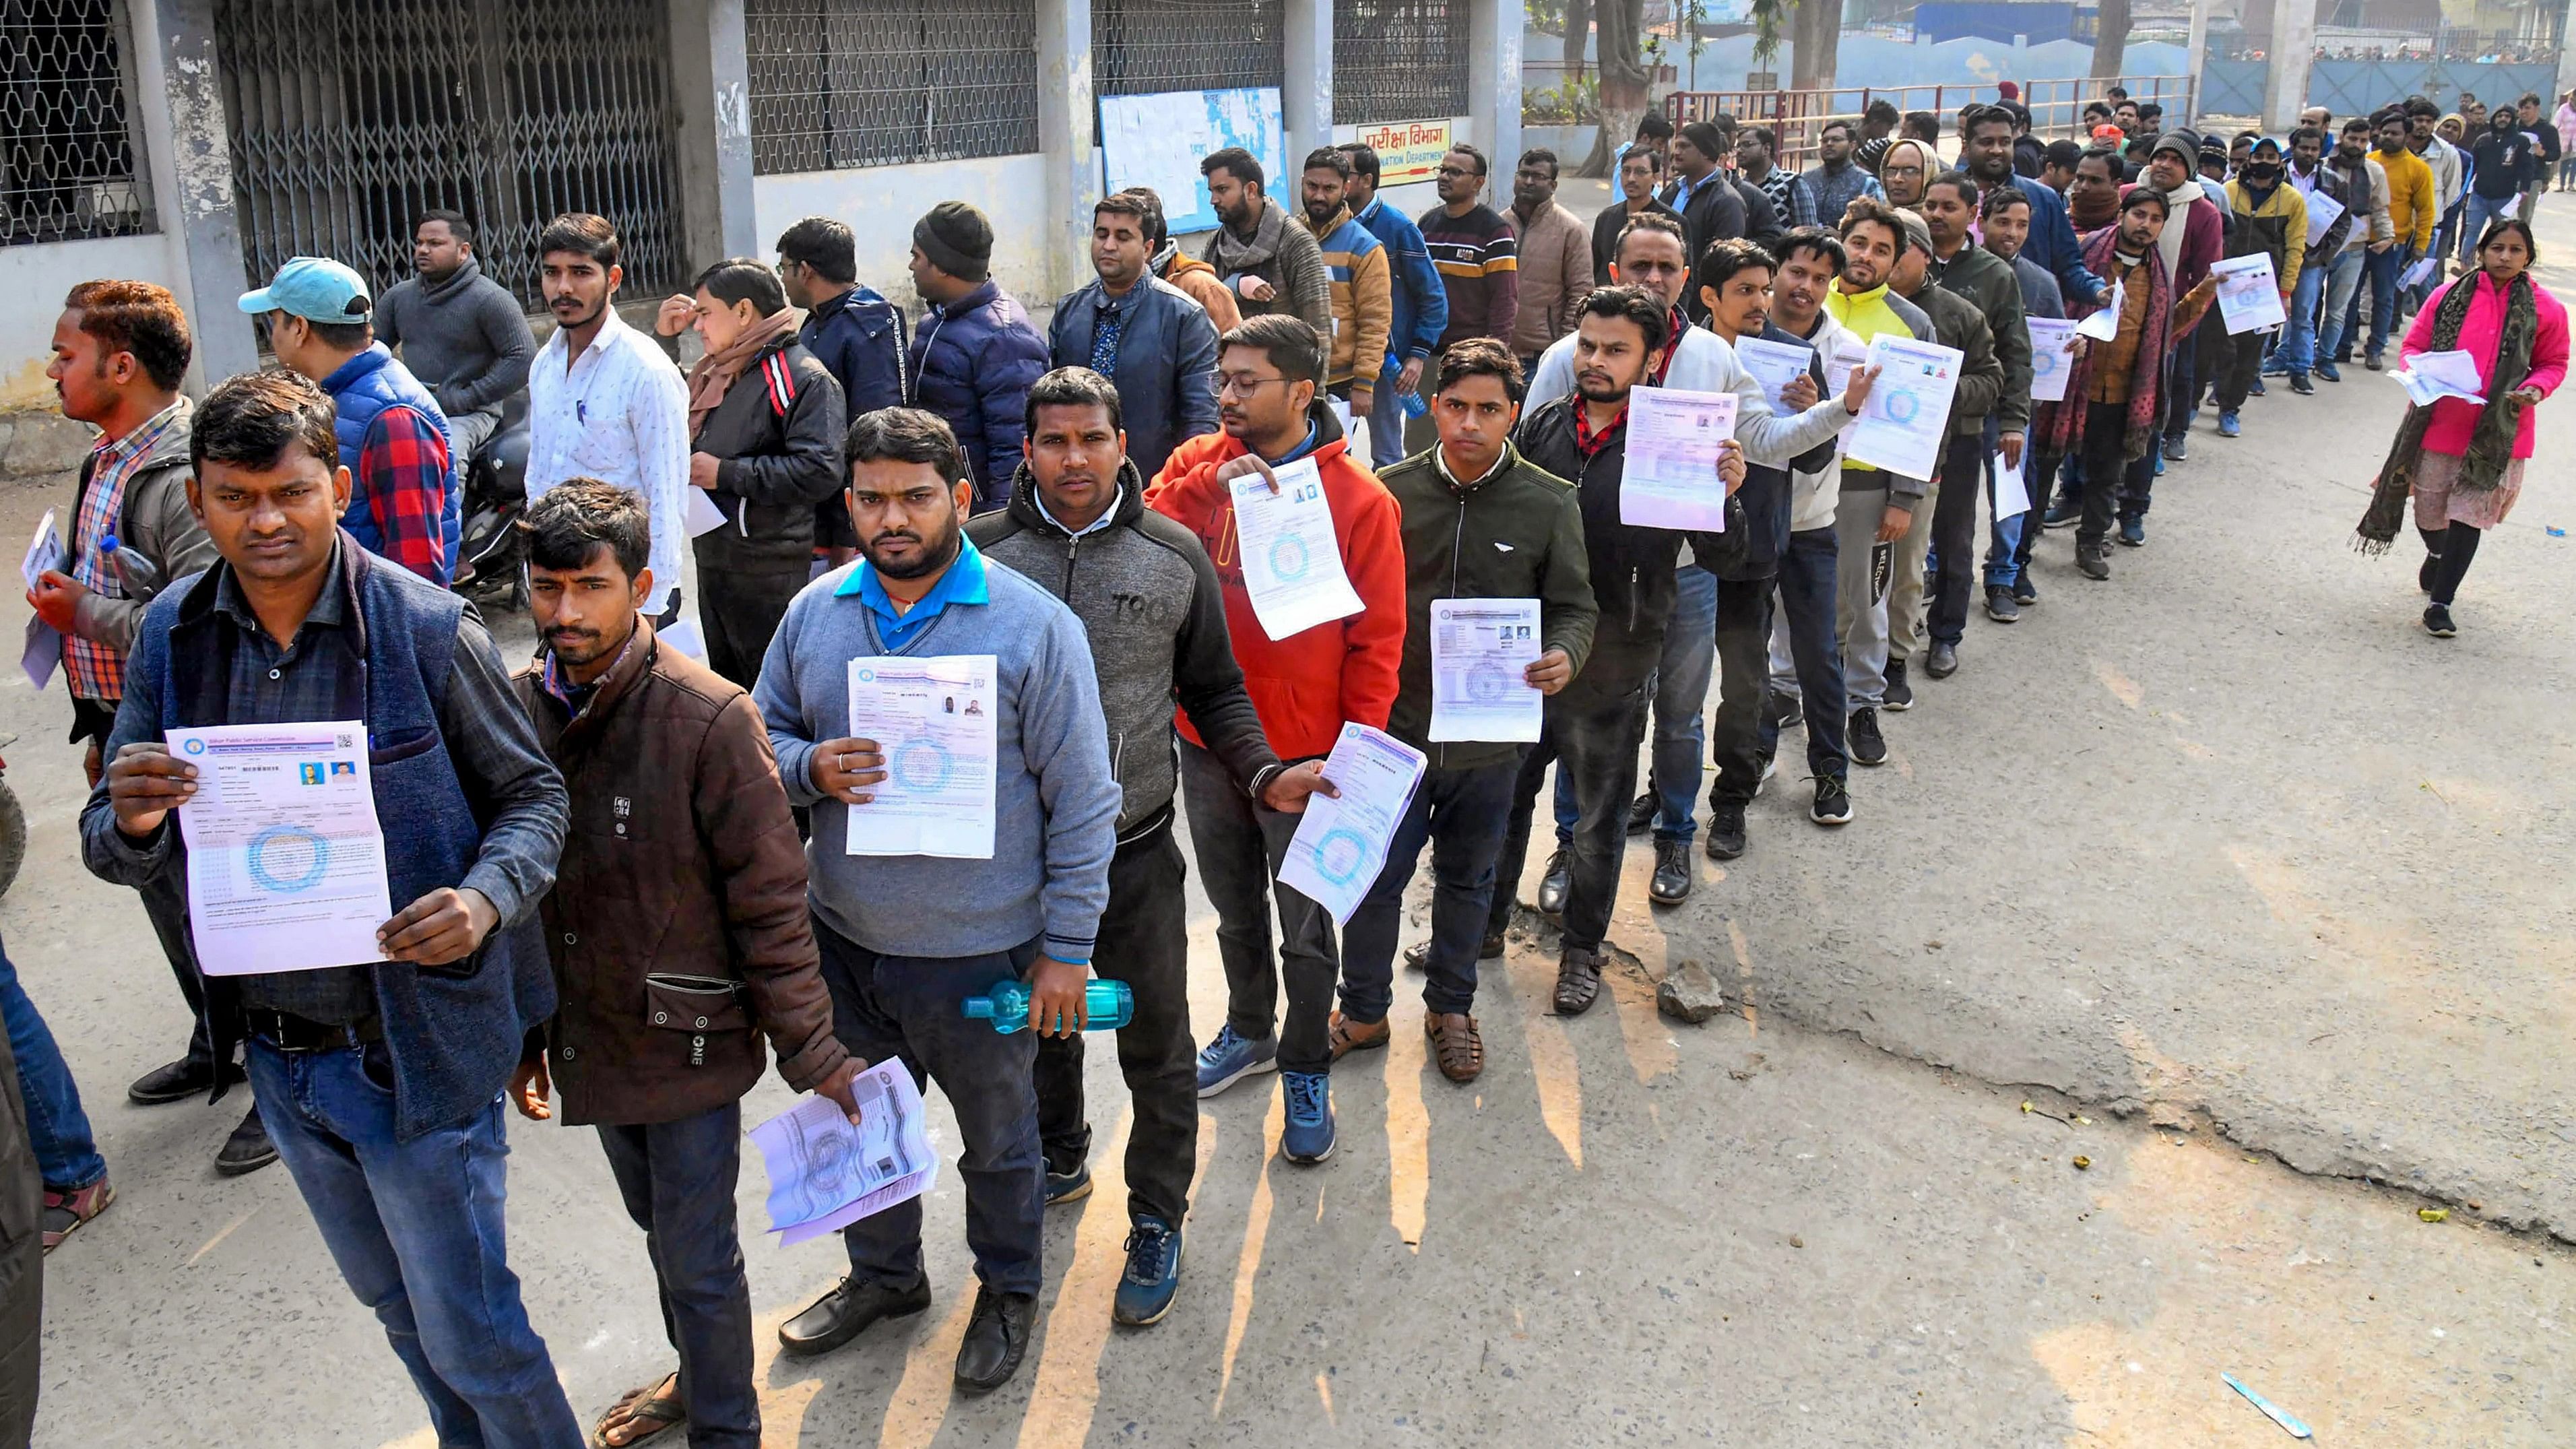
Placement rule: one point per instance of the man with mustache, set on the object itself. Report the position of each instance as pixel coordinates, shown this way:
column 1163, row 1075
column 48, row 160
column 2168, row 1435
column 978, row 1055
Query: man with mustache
column 603, row 402
column 907, row 938
column 669, row 1005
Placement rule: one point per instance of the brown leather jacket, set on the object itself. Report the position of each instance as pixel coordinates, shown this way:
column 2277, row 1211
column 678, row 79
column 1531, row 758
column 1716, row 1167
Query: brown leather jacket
column 677, row 924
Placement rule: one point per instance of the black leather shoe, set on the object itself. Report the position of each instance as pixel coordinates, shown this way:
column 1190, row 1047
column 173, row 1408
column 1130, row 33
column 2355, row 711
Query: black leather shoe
column 248, row 1149
column 1942, row 661
column 1641, row 812
column 996, row 1339
column 1556, row 885
column 176, row 1082
column 848, row 1311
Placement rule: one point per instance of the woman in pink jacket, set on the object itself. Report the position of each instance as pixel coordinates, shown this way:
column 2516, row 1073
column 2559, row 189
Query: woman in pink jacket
column 2462, row 461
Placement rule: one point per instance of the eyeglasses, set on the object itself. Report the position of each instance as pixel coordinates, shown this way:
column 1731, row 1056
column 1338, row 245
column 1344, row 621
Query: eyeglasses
column 1453, row 172
column 1221, row 385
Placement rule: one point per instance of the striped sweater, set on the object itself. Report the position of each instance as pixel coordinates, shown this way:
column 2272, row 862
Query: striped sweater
column 1363, row 304
column 1478, row 256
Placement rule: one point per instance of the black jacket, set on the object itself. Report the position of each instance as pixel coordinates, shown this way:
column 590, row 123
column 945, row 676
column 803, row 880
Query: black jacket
column 1986, row 282
column 1765, row 496
column 1632, row 567
column 778, row 431
column 1716, row 210
column 1152, row 609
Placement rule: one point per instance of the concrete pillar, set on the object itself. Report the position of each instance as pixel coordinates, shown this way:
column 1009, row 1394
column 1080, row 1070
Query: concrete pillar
column 1066, row 133
column 2293, row 55
column 1494, row 86
column 2197, row 51
column 711, row 86
column 189, row 158
column 1305, row 89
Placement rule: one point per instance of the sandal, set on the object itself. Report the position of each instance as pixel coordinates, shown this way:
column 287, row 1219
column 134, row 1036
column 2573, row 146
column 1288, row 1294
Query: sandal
column 64, row 1212
column 1578, row 982
column 1456, row 1044
column 649, row 1411
column 1347, row 1036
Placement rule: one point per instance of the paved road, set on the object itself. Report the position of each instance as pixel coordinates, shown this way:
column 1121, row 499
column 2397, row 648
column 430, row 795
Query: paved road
column 2226, row 844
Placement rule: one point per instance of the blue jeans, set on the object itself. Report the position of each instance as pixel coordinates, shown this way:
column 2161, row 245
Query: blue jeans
column 914, row 1007
column 416, row 1229
column 2473, row 224
column 2342, row 286
column 2380, row 270
column 1804, row 621
column 2298, row 350
column 1386, row 421
column 677, row 1180
column 1461, row 815
column 66, row 1155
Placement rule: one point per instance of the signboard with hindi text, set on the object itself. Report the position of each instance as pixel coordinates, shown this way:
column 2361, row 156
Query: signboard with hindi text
column 1407, row 151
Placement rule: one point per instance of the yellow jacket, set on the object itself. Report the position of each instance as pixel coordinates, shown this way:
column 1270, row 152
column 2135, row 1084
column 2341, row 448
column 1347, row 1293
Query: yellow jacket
column 2413, row 205
column 1363, row 299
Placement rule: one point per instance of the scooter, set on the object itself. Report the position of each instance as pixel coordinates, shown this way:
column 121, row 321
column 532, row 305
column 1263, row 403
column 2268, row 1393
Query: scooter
column 489, row 568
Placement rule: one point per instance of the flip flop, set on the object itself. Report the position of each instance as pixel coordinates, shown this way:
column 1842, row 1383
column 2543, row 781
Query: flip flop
column 650, row 1408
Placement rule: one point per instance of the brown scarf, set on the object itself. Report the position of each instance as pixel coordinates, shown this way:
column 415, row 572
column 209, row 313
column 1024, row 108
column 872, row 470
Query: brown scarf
column 713, row 377
column 2499, row 423
column 2093, row 210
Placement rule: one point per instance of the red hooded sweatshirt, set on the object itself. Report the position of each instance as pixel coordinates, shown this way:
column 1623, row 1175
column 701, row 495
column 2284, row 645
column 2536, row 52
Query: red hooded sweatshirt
column 1305, row 685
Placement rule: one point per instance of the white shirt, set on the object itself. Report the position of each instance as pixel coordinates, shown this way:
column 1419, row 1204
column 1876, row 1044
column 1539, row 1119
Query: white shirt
column 618, row 413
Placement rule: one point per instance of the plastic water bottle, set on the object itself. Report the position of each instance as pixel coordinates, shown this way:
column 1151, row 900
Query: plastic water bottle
column 1414, row 405
column 1110, row 1004
column 141, row 579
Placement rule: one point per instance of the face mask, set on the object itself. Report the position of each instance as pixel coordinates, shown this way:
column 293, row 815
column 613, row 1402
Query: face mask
column 2262, row 173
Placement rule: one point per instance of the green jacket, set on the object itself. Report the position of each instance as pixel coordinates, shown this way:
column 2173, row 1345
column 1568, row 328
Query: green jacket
column 1956, row 322
column 1517, row 535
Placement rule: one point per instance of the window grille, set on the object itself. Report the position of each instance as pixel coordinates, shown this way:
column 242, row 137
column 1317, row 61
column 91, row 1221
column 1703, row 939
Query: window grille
column 1399, row 60
column 843, row 83
column 1144, row 47
column 69, row 162
column 349, row 120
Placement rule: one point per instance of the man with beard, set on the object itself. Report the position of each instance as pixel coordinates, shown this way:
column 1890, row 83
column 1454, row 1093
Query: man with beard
column 460, row 332
column 1836, row 178
column 2192, row 239
column 1709, row 206
column 603, row 401
column 2365, row 186
column 669, row 1007
column 1793, row 202
column 2111, row 413
column 1420, row 305
column 1077, row 526
column 2310, row 176
column 1363, row 304
column 1265, row 259
column 2051, row 246
column 907, row 938
column 1141, row 330
column 1555, row 258
column 1806, row 653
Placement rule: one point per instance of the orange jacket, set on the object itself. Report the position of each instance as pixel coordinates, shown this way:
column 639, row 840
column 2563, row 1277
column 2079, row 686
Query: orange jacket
column 1204, row 286
column 1305, row 685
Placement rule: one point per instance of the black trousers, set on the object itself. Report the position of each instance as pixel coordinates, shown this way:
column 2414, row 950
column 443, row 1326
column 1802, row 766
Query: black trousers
column 2112, row 483
column 677, row 1180
column 2244, row 364
column 1743, row 685
column 1593, row 735
column 741, row 598
column 1145, row 942
column 1954, row 539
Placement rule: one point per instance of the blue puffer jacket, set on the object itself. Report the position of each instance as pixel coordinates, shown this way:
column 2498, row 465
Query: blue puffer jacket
column 859, row 338
column 1166, row 353
column 362, row 387
column 972, row 363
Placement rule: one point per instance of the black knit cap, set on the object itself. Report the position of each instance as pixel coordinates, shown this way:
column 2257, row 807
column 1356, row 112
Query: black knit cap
column 957, row 239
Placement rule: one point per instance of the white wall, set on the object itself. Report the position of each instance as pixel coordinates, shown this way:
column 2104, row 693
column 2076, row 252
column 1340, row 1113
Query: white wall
column 881, row 203
column 33, row 280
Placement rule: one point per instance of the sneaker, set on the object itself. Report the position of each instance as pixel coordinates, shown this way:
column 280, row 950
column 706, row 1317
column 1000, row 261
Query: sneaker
column 1833, row 801
column 1641, row 812
column 2424, row 573
column 64, row 1212
column 1065, row 1187
column 1556, row 885
column 2133, row 533
column 2093, row 560
column 1943, row 660
column 1347, row 1036
column 1153, row 1276
column 1770, row 766
column 1672, row 883
column 2001, row 606
column 2326, row 369
column 1232, row 1057
column 2255, row 388
column 2372, row 359
column 2062, row 513
column 1900, row 695
column 2299, row 384
column 2177, row 449
column 1788, row 712
column 1308, row 1137
column 1860, row 732
column 1725, row 829
column 2276, row 368
column 2025, row 592
column 2437, row 621
column 2228, row 425
column 2160, row 465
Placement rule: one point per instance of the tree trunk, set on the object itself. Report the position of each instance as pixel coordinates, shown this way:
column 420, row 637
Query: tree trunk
column 1623, row 80
column 1578, row 32
column 1816, row 40
column 2111, row 38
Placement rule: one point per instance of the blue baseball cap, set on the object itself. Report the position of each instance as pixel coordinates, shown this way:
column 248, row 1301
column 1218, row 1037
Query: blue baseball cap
column 317, row 289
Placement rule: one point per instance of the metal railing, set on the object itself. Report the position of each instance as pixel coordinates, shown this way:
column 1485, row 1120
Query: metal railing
column 2056, row 106
column 1144, row 47
column 1399, row 60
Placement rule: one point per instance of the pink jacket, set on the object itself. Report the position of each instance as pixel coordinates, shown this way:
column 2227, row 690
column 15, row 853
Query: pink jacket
column 2453, row 418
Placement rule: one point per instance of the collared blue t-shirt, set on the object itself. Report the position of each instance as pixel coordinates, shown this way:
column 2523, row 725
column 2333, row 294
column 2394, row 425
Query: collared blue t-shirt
column 962, row 584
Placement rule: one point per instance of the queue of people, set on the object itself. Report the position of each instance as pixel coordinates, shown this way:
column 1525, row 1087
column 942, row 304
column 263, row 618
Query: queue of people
column 626, row 878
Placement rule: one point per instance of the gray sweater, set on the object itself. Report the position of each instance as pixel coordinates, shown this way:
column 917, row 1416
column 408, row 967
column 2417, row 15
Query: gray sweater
column 464, row 338
column 1055, row 796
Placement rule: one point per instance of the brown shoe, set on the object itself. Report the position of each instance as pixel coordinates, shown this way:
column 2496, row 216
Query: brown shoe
column 1578, row 981
column 1455, row 1044
column 1348, row 1036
